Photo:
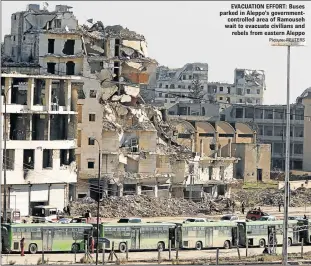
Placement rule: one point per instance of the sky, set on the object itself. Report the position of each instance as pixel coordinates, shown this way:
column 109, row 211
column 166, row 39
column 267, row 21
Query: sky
column 189, row 31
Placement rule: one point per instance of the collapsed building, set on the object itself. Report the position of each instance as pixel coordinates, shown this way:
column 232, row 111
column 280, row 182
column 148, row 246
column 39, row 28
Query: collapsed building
column 132, row 147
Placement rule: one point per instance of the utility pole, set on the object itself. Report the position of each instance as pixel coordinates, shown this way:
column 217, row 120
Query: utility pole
column 1, row 164
column 287, row 152
column 287, row 161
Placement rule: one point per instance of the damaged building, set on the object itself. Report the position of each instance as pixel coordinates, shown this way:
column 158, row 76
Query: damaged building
column 112, row 111
column 41, row 140
column 226, row 151
column 172, row 86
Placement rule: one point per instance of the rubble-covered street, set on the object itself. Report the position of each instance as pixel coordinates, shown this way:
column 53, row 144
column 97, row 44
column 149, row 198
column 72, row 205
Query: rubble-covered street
column 272, row 197
column 146, row 206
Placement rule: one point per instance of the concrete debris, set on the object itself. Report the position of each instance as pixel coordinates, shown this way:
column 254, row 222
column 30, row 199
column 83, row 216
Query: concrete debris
column 108, row 92
column 132, row 91
column 271, row 197
column 139, row 46
column 116, row 98
column 145, row 206
column 126, row 99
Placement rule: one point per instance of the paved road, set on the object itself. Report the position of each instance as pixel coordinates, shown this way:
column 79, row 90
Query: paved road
column 143, row 257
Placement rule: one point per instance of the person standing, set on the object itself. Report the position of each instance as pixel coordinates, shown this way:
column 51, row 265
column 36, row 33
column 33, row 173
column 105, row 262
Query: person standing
column 68, row 210
column 243, row 207
column 22, row 244
column 280, row 205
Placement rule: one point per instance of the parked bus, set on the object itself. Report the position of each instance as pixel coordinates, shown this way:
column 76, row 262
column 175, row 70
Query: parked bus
column 138, row 236
column 207, row 235
column 53, row 237
column 13, row 216
column 42, row 214
column 262, row 233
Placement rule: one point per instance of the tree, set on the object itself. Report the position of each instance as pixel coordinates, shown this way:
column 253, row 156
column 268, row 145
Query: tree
column 196, row 91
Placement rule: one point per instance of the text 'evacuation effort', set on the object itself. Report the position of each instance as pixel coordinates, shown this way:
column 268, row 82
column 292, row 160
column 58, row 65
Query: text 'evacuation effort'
column 279, row 22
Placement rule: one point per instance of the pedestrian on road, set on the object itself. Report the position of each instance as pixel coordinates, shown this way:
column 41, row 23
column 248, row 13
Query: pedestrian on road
column 22, row 244
column 92, row 244
column 280, row 205
column 68, row 210
column 305, row 217
column 243, row 207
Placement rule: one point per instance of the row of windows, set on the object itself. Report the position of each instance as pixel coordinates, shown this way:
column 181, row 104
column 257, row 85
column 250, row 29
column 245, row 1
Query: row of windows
column 36, row 229
column 142, row 229
column 202, row 228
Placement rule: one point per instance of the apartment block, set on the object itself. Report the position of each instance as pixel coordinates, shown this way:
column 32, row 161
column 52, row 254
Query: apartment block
column 40, row 138
column 176, row 85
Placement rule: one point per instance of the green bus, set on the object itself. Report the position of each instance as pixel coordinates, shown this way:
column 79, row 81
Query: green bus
column 201, row 235
column 137, row 236
column 52, row 237
column 262, row 233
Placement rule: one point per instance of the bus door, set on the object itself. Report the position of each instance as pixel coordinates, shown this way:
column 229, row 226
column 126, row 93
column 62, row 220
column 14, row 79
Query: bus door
column 209, row 236
column 48, row 239
column 172, row 237
column 135, row 238
column 234, row 235
column 178, row 236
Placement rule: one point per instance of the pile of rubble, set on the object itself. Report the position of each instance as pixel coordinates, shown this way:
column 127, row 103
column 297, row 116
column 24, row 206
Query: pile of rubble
column 272, row 197
column 145, row 206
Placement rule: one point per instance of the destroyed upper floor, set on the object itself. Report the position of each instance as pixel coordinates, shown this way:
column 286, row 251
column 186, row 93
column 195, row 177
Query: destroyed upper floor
column 189, row 71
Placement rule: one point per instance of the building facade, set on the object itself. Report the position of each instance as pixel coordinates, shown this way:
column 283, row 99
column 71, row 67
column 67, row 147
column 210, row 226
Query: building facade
column 176, row 86
column 40, row 140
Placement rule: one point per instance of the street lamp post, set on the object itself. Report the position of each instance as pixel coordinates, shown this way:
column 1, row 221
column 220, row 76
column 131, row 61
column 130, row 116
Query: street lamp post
column 1, row 166
column 98, row 198
column 287, row 153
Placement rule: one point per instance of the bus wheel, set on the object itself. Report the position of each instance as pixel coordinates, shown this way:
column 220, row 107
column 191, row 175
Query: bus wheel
column 161, row 246
column 198, row 245
column 289, row 242
column 75, row 248
column 227, row 244
column 262, row 243
column 33, row 248
column 122, row 247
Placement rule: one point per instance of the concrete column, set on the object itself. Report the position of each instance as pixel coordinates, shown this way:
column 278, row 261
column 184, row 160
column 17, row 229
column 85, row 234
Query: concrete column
column 201, row 148
column 30, row 93
column 56, row 159
column 120, row 188
column 8, row 90
column 38, row 159
column 114, row 190
column 68, row 95
column 48, row 94
column 29, row 131
column 47, row 128
column 74, row 97
column 155, row 190
column 229, row 147
column 138, row 189
column 105, row 188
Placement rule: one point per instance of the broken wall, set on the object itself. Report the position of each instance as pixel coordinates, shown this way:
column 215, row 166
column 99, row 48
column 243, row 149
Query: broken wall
column 61, row 45
column 254, row 163
column 180, row 171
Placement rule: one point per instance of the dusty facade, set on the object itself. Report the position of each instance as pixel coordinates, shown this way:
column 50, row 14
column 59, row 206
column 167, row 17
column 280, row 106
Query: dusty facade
column 41, row 140
column 42, row 131
column 174, row 85
column 226, row 148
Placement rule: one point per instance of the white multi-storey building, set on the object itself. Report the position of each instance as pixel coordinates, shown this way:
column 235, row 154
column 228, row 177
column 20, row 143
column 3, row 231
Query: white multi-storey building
column 40, row 139
column 174, row 85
